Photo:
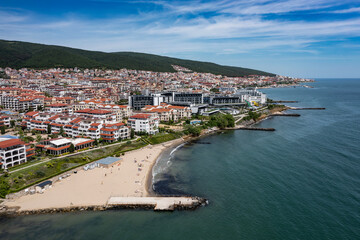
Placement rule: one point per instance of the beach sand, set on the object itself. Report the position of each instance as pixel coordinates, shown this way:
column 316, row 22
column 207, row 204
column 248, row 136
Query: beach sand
column 131, row 178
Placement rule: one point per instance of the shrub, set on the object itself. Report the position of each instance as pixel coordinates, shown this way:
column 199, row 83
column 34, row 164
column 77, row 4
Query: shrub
column 4, row 188
column 40, row 174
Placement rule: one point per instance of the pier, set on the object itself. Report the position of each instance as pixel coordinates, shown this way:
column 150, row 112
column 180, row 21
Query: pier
column 286, row 114
column 256, row 129
column 307, row 108
column 156, row 203
column 116, row 203
column 280, row 101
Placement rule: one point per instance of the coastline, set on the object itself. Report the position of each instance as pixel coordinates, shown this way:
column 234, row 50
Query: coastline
column 149, row 176
column 93, row 188
column 18, row 205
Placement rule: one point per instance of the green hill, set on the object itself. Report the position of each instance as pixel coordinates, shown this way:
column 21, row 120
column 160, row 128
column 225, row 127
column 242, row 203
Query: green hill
column 17, row 54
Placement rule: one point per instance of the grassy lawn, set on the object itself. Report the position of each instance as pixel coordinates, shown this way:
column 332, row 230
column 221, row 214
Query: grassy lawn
column 164, row 137
column 29, row 176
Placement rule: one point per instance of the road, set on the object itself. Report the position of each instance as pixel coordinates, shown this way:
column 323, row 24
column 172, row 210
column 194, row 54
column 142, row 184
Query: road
column 68, row 155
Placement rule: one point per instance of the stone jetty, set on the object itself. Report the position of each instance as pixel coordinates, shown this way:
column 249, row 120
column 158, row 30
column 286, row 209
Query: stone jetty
column 255, row 129
column 114, row 203
column 156, row 203
column 307, row 108
column 286, row 114
column 284, row 101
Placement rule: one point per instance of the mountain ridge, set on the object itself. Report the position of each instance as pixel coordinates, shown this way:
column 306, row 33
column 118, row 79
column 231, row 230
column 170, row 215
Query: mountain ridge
column 18, row 54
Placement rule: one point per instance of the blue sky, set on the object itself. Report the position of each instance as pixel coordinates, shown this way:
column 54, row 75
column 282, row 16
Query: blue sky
column 301, row 38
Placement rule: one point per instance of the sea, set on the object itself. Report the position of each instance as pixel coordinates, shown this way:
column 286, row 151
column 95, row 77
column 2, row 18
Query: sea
column 301, row 181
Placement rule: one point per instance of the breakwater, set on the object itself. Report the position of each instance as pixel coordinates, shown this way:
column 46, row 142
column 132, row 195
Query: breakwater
column 307, row 108
column 286, row 114
column 255, row 129
column 116, row 203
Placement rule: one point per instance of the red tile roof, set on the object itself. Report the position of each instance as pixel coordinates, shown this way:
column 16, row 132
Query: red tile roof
column 76, row 120
column 54, row 117
column 58, row 105
column 10, row 143
column 141, row 116
column 107, row 134
column 109, row 138
column 56, row 124
column 31, row 114
column 109, row 129
column 39, row 129
column 89, row 141
column 98, row 111
column 84, row 110
column 36, row 121
column 58, row 149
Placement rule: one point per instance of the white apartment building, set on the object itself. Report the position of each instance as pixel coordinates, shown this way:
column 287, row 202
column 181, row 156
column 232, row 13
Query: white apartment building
column 12, row 152
column 4, row 121
column 144, row 122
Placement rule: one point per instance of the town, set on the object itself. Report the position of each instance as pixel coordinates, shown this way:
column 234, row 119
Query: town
column 57, row 111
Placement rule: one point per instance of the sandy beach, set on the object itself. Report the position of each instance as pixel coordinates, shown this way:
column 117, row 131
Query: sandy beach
column 130, row 178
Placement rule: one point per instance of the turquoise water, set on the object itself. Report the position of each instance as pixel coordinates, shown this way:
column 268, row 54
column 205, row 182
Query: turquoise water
column 300, row 182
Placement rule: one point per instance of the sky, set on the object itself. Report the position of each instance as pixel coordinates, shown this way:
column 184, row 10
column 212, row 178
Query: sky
column 298, row 38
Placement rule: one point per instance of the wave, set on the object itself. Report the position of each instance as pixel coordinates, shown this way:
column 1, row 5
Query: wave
column 163, row 162
column 177, row 148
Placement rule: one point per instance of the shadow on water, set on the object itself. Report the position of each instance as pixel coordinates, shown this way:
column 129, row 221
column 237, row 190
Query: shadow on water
column 164, row 186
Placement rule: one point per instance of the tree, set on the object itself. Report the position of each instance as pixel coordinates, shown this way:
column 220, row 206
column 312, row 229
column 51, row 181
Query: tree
column 194, row 131
column 38, row 138
column 230, row 119
column 72, row 148
column 254, row 115
column 215, row 90
column 132, row 133
column 12, row 123
column 96, row 142
column 3, row 129
column 21, row 133
column 49, row 129
column 62, row 131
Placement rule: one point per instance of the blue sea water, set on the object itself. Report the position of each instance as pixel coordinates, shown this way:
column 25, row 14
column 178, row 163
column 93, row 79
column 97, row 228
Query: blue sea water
column 300, row 182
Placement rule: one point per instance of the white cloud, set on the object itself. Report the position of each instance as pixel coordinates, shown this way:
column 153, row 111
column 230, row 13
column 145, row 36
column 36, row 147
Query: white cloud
column 155, row 32
column 349, row 10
